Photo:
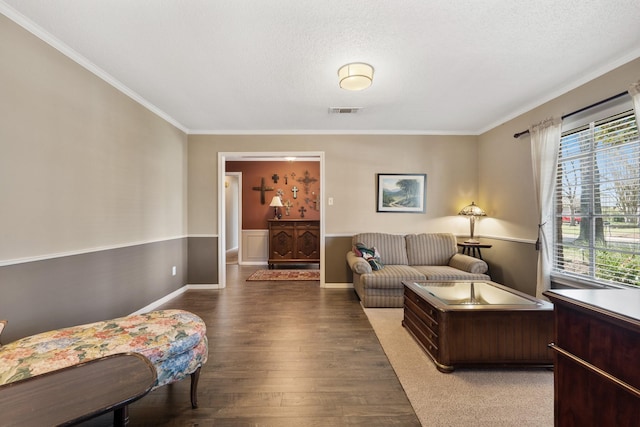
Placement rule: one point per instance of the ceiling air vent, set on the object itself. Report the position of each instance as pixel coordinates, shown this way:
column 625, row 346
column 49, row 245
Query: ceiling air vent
column 344, row 110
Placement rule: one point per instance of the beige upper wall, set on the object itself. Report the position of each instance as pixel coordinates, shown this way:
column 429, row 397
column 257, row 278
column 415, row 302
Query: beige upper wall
column 351, row 165
column 504, row 163
column 82, row 166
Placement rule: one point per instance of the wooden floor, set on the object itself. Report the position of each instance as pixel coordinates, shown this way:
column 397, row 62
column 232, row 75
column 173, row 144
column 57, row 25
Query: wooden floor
column 281, row 354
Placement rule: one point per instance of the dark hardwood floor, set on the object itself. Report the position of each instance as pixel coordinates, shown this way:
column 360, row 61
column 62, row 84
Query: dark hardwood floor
column 281, row 354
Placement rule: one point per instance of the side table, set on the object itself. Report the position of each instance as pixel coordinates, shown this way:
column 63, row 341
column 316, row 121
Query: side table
column 473, row 249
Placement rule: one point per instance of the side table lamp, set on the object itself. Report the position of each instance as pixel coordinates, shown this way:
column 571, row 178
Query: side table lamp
column 472, row 211
column 275, row 204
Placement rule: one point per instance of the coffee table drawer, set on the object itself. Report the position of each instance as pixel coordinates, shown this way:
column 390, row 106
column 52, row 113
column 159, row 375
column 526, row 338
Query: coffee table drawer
column 423, row 305
column 425, row 335
column 427, row 319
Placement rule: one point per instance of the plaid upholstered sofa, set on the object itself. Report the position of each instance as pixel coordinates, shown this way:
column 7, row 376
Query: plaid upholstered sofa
column 432, row 256
column 174, row 341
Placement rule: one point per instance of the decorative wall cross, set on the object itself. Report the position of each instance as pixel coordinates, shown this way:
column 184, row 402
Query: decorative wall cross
column 306, row 181
column 262, row 189
column 275, row 178
column 295, row 192
column 302, row 210
column 287, row 206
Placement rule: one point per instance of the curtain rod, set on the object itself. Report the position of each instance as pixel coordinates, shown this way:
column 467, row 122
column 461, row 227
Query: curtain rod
column 611, row 98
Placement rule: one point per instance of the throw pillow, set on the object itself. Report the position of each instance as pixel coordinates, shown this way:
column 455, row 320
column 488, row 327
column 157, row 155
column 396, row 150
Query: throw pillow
column 375, row 264
column 356, row 250
column 371, row 255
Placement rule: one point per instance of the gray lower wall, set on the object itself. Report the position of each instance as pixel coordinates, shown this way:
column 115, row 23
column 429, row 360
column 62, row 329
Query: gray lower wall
column 513, row 264
column 510, row 263
column 59, row 292
column 203, row 260
column 65, row 291
column 336, row 268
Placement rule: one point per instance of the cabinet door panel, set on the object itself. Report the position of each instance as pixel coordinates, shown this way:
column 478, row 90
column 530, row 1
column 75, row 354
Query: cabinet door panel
column 307, row 244
column 282, row 244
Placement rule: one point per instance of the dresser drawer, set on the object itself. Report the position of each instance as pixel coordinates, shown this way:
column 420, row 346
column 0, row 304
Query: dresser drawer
column 279, row 225
column 313, row 225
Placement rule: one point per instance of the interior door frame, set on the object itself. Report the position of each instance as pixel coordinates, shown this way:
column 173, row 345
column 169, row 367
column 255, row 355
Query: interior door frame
column 238, row 230
column 223, row 157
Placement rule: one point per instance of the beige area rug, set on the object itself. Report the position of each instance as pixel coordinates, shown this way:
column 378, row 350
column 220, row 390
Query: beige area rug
column 271, row 275
column 466, row 397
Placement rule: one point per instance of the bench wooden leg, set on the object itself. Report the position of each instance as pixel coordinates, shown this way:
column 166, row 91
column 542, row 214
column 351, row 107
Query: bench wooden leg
column 121, row 416
column 194, row 388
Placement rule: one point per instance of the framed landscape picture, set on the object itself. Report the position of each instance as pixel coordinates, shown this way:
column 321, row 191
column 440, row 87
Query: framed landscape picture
column 402, row 192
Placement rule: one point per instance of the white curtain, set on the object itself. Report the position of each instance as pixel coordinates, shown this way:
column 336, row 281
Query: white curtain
column 545, row 143
column 634, row 91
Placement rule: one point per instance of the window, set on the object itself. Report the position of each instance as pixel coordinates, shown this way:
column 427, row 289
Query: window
column 597, row 203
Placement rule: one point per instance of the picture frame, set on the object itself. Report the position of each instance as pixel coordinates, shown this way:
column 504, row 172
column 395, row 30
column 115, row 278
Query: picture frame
column 401, row 192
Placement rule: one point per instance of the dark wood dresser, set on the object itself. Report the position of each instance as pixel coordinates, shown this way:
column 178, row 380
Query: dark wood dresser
column 294, row 241
column 597, row 357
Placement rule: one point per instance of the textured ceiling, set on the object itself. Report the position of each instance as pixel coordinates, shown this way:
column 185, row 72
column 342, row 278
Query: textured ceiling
column 251, row 66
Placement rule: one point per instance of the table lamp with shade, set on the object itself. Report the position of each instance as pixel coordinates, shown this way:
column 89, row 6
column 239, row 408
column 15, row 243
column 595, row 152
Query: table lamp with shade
column 472, row 211
column 276, row 203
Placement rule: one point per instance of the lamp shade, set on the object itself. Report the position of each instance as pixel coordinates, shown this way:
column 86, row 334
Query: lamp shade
column 355, row 76
column 472, row 210
column 276, row 202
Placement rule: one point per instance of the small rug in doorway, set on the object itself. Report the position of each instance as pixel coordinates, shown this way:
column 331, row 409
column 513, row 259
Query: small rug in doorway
column 271, row 275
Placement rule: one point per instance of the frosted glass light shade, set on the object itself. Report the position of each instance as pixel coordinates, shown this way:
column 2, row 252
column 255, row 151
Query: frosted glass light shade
column 355, row 76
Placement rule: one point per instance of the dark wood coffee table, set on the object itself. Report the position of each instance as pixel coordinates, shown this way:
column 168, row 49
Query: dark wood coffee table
column 478, row 324
column 70, row 395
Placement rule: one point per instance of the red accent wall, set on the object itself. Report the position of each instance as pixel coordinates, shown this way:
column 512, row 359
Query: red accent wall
column 291, row 174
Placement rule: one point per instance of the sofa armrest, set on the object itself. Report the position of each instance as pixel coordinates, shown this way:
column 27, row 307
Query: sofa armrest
column 468, row 263
column 358, row 264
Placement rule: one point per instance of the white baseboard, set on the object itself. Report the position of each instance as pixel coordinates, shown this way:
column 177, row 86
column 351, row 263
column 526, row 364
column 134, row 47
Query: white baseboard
column 204, row 286
column 161, row 301
column 338, row 285
column 172, row 295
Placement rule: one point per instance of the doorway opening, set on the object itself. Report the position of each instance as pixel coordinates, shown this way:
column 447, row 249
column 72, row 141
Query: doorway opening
column 230, row 220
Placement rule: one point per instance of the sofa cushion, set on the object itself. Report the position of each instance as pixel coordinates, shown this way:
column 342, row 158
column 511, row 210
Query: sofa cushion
column 390, row 277
column 392, row 247
column 430, row 249
column 444, row 272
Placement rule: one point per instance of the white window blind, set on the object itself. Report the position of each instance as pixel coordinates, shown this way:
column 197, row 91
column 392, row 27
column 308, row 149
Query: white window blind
column 597, row 237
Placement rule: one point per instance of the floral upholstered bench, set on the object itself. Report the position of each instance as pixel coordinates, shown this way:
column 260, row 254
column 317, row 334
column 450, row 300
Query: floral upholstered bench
column 174, row 341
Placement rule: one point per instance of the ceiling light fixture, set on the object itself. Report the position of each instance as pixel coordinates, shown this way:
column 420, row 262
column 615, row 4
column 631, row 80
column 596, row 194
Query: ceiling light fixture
column 355, row 76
